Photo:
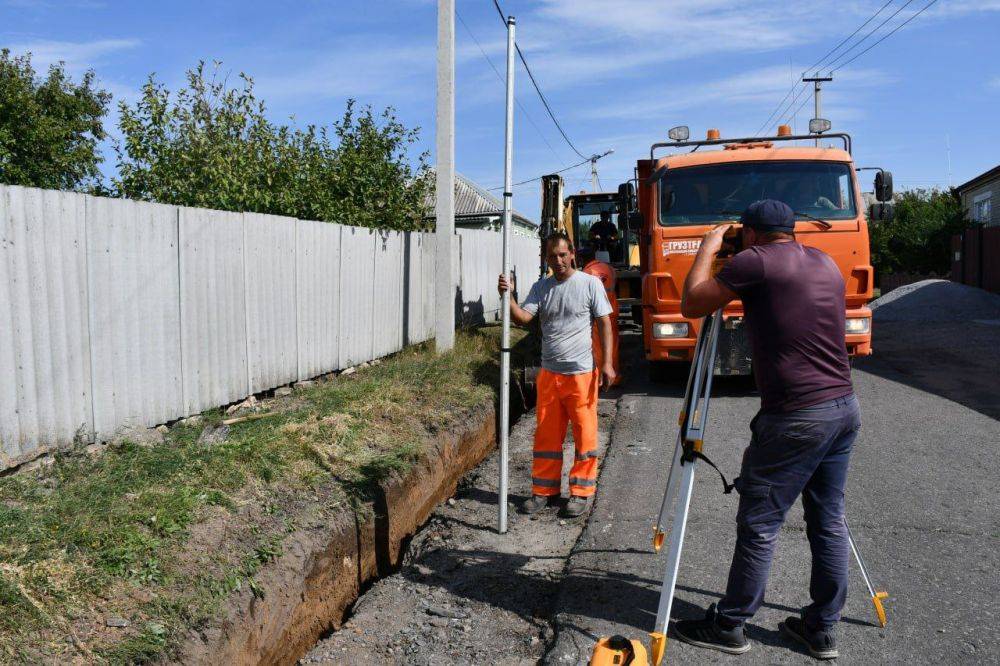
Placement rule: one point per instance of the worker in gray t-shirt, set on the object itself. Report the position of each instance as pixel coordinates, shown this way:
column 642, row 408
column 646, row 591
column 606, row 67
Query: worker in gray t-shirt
column 567, row 303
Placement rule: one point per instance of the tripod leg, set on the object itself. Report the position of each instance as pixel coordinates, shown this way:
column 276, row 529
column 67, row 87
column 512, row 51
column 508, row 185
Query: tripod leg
column 877, row 597
column 668, row 497
column 659, row 635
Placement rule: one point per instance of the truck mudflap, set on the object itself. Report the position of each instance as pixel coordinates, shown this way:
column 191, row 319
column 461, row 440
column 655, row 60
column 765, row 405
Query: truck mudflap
column 733, row 356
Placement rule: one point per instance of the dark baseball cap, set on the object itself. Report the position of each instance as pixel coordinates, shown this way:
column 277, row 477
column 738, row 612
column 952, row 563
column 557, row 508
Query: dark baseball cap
column 769, row 215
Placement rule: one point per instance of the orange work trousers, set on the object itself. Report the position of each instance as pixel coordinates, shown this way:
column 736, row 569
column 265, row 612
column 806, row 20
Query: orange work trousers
column 564, row 399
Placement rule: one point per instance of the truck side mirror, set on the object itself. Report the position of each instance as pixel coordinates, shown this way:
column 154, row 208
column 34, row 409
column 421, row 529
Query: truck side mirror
column 626, row 197
column 880, row 212
column 635, row 220
column 883, row 185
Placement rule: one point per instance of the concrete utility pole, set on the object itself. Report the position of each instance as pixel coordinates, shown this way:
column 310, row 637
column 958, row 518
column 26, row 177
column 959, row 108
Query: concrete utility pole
column 444, row 289
column 594, row 183
column 508, row 199
column 817, row 81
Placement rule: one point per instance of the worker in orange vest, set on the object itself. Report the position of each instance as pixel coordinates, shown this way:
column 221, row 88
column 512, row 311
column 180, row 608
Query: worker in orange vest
column 606, row 274
column 567, row 303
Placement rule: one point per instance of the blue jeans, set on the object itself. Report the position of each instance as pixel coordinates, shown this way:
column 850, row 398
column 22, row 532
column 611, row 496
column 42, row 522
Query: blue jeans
column 802, row 452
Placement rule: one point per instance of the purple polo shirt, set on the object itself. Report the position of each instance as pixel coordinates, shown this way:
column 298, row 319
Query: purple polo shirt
column 793, row 297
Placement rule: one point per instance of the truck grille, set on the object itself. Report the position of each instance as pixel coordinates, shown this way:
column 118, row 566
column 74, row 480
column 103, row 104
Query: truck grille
column 733, row 356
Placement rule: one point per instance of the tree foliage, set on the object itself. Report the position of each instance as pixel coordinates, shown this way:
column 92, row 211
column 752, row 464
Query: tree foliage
column 50, row 127
column 918, row 239
column 212, row 146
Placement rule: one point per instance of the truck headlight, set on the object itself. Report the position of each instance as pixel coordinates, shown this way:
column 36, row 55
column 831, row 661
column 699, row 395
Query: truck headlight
column 670, row 330
column 857, row 325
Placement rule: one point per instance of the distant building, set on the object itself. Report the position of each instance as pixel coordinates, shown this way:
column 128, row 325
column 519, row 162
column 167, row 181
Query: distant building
column 976, row 251
column 476, row 208
column 981, row 198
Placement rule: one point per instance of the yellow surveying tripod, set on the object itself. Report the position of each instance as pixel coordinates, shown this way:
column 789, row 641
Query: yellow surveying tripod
column 687, row 452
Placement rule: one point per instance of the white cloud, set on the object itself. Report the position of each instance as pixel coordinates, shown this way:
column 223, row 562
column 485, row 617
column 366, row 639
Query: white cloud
column 994, row 83
column 391, row 71
column 78, row 56
column 753, row 89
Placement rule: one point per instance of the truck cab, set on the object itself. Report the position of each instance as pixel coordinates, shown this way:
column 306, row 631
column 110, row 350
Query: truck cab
column 683, row 195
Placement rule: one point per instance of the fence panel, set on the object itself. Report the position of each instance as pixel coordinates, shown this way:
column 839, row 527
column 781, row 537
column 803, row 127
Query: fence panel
column 387, row 311
column 272, row 344
column 135, row 326
column 213, row 308
column 525, row 263
column 45, row 391
column 318, row 297
column 481, row 263
column 357, row 280
column 117, row 313
column 413, row 295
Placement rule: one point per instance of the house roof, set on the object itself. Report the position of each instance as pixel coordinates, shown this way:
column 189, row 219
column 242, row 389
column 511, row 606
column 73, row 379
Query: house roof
column 987, row 175
column 472, row 200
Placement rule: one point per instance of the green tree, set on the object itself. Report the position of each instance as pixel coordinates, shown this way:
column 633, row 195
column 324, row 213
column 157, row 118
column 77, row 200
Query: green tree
column 918, row 239
column 212, row 146
column 50, row 127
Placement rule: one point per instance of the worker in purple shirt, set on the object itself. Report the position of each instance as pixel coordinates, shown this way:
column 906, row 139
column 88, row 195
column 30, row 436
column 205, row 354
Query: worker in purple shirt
column 801, row 438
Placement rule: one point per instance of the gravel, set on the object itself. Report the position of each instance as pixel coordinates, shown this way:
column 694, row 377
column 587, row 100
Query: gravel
column 937, row 301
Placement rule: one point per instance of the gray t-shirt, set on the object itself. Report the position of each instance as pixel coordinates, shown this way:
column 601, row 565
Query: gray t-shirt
column 566, row 310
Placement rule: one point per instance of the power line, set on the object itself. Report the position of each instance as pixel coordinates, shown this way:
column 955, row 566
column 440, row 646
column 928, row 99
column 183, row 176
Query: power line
column 860, row 27
column 886, row 36
column 780, row 108
column 790, row 104
column 502, row 80
column 796, row 112
column 873, row 30
column 531, row 180
column 538, row 89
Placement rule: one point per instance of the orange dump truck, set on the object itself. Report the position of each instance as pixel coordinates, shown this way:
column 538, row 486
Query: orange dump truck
column 704, row 183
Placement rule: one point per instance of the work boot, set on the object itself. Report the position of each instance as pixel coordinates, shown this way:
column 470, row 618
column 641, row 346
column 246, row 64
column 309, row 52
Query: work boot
column 575, row 506
column 708, row 634
column 822, row 643
column 535, row 504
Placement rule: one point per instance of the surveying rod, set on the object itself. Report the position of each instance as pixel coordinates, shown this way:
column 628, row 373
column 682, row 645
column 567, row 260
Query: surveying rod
column 505, row 301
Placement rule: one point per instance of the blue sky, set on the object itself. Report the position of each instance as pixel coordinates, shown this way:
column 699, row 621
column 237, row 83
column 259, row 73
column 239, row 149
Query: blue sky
column 617, row 73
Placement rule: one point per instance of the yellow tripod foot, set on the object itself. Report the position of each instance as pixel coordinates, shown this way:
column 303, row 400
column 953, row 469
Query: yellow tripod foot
column 657, row 646
column 658, row 536
column 879, row 609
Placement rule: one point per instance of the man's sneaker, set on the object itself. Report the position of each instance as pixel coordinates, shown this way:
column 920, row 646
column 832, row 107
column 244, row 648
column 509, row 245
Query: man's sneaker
column 822, row 644
column 535, row 504
column 575, row 506
column 708, row 634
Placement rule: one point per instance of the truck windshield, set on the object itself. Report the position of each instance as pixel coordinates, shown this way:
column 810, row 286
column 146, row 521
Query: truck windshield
column 704, row 194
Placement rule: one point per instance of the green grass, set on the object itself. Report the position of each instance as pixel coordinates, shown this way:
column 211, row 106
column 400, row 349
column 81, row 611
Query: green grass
column 92, row 536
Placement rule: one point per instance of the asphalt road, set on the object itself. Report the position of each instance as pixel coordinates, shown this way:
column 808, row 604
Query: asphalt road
column 921, row 501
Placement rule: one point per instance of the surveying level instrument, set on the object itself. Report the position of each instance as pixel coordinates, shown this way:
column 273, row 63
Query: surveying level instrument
column 687, row 451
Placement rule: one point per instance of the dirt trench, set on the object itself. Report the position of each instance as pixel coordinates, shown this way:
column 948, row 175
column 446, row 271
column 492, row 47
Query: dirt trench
column 466, row 594
column 305, row 593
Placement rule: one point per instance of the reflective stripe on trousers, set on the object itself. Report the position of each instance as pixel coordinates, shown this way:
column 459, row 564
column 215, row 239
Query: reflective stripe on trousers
column 565, row 399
